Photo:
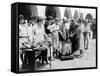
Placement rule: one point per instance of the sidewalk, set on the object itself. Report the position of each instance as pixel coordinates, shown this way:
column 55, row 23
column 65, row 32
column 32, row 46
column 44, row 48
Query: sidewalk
column 88, row 60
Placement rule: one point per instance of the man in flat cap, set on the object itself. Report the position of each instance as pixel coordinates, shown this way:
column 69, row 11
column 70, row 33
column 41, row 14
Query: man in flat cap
column 74, row 35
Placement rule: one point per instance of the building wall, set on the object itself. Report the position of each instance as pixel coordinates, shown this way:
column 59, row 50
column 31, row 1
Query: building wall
column 41, row 10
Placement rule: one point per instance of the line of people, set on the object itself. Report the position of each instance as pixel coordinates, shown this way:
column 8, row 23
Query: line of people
column 54, row 31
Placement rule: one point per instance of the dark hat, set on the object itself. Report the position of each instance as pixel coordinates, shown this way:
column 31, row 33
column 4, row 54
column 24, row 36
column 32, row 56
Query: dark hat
column 40, row 19
column 21, row 17
column 49, row 18
column 72, row 20
column 79, row 20
column 33, row 18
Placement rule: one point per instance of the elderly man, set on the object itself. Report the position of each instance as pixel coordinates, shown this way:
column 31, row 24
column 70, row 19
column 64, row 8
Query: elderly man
column 74, row 35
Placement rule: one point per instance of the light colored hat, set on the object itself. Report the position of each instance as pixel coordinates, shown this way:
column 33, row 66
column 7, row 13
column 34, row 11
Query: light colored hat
column 21, row 17
column 65, row 18
column 57, row 19
column 72, row 18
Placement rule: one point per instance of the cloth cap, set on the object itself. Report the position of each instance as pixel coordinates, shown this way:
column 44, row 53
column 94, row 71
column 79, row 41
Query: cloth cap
column 57, row 19
column 21, row 17
column 49, row 18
